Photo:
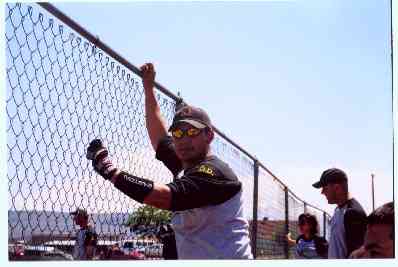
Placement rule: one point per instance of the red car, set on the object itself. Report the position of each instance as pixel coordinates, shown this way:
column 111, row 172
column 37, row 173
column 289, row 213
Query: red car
column 136, row 255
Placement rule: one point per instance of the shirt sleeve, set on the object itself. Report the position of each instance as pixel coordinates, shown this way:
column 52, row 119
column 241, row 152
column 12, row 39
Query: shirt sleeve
column 355, row 228
column 165, row 152
column 203, row 185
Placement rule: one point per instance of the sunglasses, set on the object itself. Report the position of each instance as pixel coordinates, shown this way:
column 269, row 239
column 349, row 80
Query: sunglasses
column 180, row 133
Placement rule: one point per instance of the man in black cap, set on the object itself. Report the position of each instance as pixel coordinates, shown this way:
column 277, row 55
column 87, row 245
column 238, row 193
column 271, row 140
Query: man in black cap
column 348, row 224
column 86, row 238
column 206, row 200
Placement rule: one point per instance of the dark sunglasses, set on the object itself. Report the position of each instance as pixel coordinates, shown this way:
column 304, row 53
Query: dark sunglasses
column 180, row 133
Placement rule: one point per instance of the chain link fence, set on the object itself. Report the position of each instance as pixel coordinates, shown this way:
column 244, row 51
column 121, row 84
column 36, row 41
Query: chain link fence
column 296, row 207
column 241, row 165
column 271, row 224
column 62, row 92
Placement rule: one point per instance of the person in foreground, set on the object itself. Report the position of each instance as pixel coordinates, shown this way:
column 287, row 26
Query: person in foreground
column 379, row 237
column 207, row 198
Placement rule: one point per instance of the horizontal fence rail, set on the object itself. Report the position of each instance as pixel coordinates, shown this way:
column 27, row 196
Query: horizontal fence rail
column 66, row 87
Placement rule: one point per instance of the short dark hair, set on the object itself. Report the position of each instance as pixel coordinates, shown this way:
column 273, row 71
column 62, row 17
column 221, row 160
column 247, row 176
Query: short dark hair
column 311, row 220
column 80, row 212
column 383, row 215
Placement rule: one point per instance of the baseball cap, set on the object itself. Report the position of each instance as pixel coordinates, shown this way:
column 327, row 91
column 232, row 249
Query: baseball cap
column 81, row 212
column 196, row 117
column 331, row 176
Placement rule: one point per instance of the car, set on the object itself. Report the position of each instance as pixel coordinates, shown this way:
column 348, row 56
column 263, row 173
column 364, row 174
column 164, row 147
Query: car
column 136, row 255
column 38, row 253
column 141, row 248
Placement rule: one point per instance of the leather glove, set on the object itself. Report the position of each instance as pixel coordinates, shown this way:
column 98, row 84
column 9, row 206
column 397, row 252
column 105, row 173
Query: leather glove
column 98, row 154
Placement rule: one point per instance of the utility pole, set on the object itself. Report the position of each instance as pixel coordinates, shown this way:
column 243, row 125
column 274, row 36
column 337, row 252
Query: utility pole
column 373, row 191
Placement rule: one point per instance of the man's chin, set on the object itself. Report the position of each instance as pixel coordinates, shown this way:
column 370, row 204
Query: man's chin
column 190, row 159
column 184, row 157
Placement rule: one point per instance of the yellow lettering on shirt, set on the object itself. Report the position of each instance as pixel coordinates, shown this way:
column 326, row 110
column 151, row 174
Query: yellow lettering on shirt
column 206, row 169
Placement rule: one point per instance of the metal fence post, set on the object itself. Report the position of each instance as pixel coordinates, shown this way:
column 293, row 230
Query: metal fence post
column 324, row 224
column 255, row 210
column 286, row 221
column 305, row 207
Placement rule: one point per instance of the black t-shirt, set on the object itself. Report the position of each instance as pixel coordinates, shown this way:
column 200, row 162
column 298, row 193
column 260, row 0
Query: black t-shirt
column 355, row 225
column 209, row 182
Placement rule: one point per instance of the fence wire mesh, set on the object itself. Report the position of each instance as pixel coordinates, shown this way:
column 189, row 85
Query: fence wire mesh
column 271, row 218
column 319, row 216
column 241, row 165
column 296, row 207
column 62, row 92
column 326, row 227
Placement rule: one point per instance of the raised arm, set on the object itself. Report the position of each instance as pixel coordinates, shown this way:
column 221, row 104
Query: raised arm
column 155, row 123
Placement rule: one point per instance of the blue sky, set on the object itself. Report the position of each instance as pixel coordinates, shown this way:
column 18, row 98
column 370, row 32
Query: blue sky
column 301, row 85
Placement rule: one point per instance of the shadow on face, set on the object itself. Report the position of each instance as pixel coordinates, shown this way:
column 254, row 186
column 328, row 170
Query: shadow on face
column 194, row 147
column 330, row 193
column 378, row 242
column 335, row 193
column 305, row 228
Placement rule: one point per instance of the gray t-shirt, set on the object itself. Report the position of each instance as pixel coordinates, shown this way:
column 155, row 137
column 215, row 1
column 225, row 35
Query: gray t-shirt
column 207, row 202
column 337, row 244
column 213, row 232
column 347, row 230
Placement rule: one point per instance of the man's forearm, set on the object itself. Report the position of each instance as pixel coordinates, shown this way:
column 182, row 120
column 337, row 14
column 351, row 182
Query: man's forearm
column 143, row 190
column 155, row 123
column 160, row 197
column 139, row 189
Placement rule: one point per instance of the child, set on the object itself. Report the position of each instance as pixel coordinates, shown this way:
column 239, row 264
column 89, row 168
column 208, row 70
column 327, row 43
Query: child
column 309, row 245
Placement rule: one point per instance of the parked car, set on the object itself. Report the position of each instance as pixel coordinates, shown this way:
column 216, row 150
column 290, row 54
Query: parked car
column 136, row 255
column 37, row 253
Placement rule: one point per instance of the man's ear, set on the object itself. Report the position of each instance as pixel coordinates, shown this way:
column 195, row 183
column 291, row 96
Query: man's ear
column 209, row 135
column 336, row 187
column 339, row 188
